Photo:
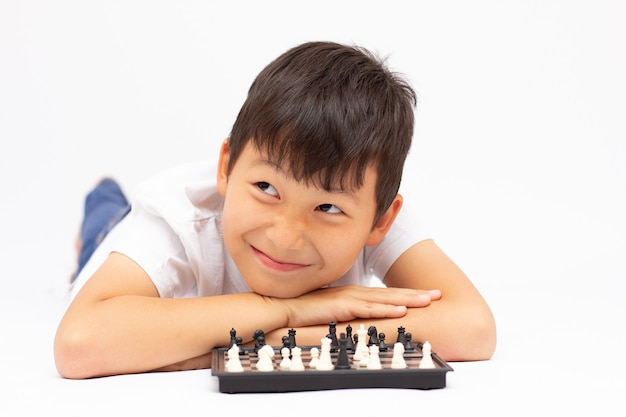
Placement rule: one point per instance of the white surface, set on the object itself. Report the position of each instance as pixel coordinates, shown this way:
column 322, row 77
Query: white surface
column 519, row 165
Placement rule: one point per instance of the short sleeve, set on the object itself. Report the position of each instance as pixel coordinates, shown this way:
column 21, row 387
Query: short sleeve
column 406, row 231
column 163, row 259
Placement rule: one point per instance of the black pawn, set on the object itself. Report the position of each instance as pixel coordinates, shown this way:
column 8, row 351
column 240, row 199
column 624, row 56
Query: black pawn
column 239, row 342
column 382, row 347
column 343, row 361
column 409, row 345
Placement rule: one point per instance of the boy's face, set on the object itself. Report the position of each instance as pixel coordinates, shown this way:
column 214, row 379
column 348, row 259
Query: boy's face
column 287, row 237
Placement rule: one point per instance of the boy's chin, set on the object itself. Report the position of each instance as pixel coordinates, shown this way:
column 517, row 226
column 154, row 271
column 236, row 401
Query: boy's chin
column 276, row 292
column 280, row 294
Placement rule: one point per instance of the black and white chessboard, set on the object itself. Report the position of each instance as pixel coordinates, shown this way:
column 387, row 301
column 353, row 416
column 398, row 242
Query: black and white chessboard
column 310, row 379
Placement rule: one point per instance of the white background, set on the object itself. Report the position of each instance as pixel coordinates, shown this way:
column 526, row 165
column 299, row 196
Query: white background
column 518, row 168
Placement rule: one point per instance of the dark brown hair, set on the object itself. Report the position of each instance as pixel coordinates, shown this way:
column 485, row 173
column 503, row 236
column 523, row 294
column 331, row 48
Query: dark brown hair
column 327, row 111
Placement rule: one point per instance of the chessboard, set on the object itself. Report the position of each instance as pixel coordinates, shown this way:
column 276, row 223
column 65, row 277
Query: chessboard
column 345, row 372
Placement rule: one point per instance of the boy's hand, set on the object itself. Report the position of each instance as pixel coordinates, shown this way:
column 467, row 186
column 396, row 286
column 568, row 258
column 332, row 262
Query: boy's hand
column 342, row 304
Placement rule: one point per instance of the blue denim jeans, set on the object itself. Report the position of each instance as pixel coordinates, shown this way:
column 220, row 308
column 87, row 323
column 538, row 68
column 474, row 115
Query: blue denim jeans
column 105, row 206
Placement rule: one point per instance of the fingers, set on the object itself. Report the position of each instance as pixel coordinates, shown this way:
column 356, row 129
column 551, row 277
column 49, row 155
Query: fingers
column 354, row 302
column 380, row 311
column 435, row 295
column 397, row 296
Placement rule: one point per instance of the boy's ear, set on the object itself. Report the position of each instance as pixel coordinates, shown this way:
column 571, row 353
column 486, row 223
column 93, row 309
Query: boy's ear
column 384, row 223
column 222, row 168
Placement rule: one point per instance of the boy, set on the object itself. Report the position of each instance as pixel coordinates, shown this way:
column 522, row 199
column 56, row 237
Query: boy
column 301, row 214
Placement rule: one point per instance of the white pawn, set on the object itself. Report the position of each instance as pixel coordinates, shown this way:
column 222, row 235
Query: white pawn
column 296, row 360
column 365, row 358
column 315, row 357
column 265, row 363
column 427, row 357
column 361, row 348
column 397, row 360
column 374, row 359
column 325, row 362
column 285, row 363
column 233, row 364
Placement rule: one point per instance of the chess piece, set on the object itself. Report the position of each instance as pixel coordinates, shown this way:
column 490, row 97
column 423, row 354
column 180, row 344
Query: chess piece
column 233, row 337
column 259, row 340
column 296, row 360
column 239, row 342
column 315, row 357
column 350, row 343
column 401, row 336
column 332, row 335
column 427, row 358
column 325, row 362
column 409, row 345
column 361, row 348
column 373, row 334
column 292, row 338
column 382, row 347
column 343, row 361
column 374, row 359
column 285, row 363
column 233, row 364
column 397, row 360
column 265, row 356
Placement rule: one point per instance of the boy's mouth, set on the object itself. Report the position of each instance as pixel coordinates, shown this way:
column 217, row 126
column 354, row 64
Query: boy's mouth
column 275, row 264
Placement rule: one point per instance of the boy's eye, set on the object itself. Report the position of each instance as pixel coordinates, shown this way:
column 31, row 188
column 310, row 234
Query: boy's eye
column 329, row 208
column 268, row 188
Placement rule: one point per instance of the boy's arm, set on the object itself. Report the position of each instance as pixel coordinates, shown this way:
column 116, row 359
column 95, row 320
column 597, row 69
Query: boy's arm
column 459, row 325
column 118, row 324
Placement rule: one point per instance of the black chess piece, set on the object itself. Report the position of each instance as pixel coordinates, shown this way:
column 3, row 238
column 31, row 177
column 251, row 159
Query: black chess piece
column 372, row 332
column 292, row 338
column 350, row 342
column 233, row 337
column 239, row 342
column 343, row 360
column 259, row 340
column 382, row 347
column 401, row 336
column 332, row 335
column 408, row 346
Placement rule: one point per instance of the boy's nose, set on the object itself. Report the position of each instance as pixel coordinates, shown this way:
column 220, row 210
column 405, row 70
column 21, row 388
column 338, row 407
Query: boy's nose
column 287, row 232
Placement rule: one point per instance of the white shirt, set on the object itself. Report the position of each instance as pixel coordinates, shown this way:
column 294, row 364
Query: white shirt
column 174, row 233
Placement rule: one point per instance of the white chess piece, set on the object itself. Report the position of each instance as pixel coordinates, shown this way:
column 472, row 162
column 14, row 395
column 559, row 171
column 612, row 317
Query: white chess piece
column 361, row 349
column 374, row 359
column 325, row 362
column 296, row 359
column 365, row 358
column 427, row 358
column 315, row 357
column 397, row 360
column 285, row 363
column 233, row 364
column 265, row 355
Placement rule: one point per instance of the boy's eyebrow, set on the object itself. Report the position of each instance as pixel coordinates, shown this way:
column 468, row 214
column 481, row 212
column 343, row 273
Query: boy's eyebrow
column 279, row 169
column 270, row 163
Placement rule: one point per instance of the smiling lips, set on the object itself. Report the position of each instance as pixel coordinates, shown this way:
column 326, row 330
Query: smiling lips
column 276, row 265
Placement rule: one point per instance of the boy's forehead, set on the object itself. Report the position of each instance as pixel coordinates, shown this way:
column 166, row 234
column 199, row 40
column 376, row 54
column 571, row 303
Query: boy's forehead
column 326, row 178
